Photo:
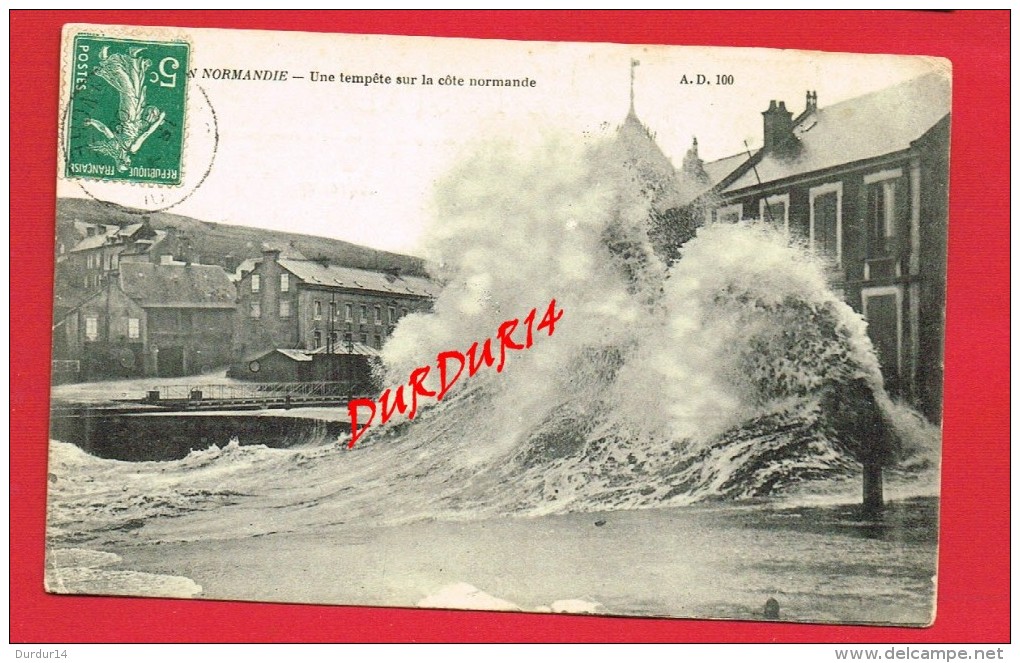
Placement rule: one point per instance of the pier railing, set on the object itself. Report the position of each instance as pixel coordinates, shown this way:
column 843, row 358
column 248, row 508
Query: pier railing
column 253, row 394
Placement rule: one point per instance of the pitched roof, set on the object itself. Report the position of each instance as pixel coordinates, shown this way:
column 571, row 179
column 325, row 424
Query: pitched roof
column 97, row 240
column 340, row 348
column 246, row 265
column 316, row 273
column 858, row 129
column 716, row 171
column 143, row 247
column 130, row 229
column 67, row 296
column 296, row 355
column 287, row 250
column 177, row 286
column 673, row 187
column 300, row 354
column 654, row 168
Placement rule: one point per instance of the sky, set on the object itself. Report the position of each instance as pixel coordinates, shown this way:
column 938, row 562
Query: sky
column 360, row 163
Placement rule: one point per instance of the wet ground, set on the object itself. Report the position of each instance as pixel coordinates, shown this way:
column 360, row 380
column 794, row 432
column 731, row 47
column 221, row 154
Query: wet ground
column 820, row 563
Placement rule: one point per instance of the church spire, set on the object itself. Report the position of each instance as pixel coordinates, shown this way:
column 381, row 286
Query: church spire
column 693, row 166
column 633, row 64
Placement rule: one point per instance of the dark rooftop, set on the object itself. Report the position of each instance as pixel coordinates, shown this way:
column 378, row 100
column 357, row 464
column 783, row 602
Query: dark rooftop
column 317, row 273
column 858, row 129
column 177, row 286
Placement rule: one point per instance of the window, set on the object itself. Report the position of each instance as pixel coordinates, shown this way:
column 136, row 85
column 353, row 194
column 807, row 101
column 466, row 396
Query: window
column 378, row 315
column 332, row 310
column 364, row 339
column 284, row 308
column 826, row 220
column 885, row 211
column 284, row 282
column 393, row 315
column 91, row 327
column 316, row 340
column 882, row 308
column 776, row 211
column 730, row 213
column 378, row 341
column 255, row 310
column 114, row 261
column 364, row 314
column 317, row 309
column 348, row 313
column 133, row 328
column 163, row 320
column 256, row 282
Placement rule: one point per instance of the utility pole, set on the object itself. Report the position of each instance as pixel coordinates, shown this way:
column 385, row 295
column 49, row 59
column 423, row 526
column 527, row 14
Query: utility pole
column 331, row 346
column 872, row 503
column 754, row 167
column 329, row 327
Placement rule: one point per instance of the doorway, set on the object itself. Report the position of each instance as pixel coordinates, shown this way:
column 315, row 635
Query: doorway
column 170, row 362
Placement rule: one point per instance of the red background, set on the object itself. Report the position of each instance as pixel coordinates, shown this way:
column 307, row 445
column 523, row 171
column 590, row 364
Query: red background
column 973, row 592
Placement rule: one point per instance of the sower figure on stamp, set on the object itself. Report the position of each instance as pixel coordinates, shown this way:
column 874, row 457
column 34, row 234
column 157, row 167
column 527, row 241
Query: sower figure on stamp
column 136, row 121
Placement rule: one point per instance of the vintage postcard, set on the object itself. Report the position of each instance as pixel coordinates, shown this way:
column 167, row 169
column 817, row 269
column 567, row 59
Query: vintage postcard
column 496, row 325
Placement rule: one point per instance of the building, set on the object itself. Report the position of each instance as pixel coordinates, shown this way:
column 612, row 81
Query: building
column 679, row 198
column 353, row 364
column 864, row 183
column 307, row 305
column 85, row 265
column 70, row 234
column 150, row 320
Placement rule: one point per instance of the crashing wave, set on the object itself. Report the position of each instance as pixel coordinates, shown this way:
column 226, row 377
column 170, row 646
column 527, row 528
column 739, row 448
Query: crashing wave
column 732, row 373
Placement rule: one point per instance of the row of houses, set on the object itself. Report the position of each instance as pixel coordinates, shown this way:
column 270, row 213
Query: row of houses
column 864, row 184
column 170, row 318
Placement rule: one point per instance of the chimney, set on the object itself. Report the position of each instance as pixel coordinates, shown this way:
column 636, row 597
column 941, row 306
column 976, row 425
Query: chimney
column 811, row 104
column 778, row 127
column 270, row 254
column 693, row 166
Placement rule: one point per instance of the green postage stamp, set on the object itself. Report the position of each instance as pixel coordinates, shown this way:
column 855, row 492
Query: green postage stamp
column 125, row 119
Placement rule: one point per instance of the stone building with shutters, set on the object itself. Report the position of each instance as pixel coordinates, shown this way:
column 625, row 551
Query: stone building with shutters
column 311, row 304
column 151, row 320
column 864, row 183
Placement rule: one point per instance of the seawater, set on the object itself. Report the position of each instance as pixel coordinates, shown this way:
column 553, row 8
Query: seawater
column 666, row 385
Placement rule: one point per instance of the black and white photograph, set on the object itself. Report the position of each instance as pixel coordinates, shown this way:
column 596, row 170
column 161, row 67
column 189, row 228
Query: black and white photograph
column 623, row 330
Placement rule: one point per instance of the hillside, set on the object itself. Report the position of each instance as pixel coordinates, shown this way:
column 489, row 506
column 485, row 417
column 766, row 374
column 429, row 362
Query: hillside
column 214, row 241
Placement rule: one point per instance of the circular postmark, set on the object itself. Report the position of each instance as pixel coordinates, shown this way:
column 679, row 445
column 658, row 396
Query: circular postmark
column 200, row 144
